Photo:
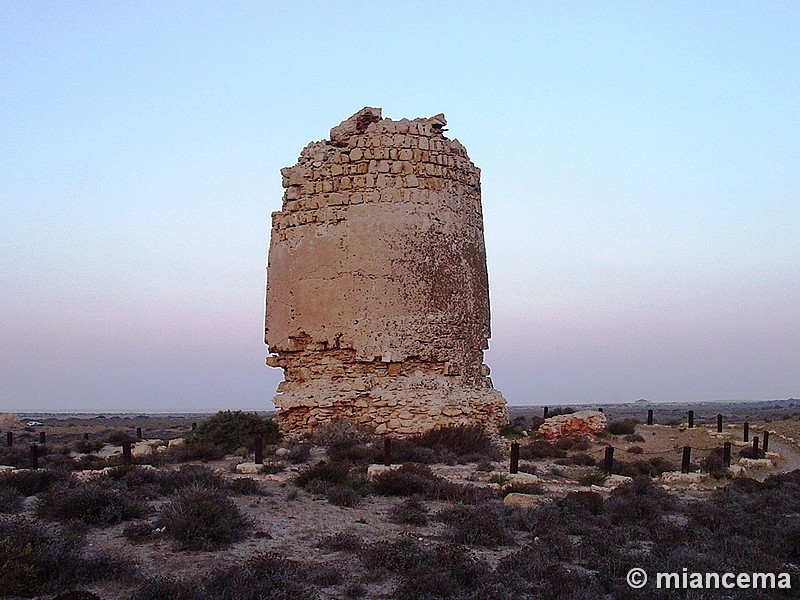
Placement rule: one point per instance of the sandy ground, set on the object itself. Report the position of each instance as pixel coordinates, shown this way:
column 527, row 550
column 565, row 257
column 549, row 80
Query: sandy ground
column 290, row 521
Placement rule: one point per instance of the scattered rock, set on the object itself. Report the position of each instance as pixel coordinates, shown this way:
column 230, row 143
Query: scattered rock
column 141, row 449
column 583, row 422
column 756, row 463
column 615, row 480
column 176, row 442
column 678, row 477
column 523, row 500
column 521, row 478
column 249, row 468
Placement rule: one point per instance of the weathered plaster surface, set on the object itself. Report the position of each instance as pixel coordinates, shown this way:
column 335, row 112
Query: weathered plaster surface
column 377, row 291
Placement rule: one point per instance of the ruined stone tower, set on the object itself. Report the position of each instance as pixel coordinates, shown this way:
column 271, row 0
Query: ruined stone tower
column 377, row 291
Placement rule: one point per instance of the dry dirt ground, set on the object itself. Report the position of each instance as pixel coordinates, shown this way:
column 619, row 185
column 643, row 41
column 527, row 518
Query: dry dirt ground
column 291, row 521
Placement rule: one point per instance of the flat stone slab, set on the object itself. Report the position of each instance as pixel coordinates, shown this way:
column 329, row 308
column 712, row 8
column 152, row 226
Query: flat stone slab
column 521, row 478
column 523, row 500
column 756, row 463
column 248, row 468
column 615, row 480
column 678, row 477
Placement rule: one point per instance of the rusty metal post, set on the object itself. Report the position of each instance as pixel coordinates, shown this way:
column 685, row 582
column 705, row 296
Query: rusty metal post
column 687, row 458
column 726, row 454
column 126, row 453
column 514, row 466
column 765, row 443
column 258, row 448
column 746, row 431
column 649, row 416
column 691, row 419
column 719, row 423
column 608, row 460
column 755, row 443
column 546, row 411
column 138, row 433
column 86, row 437
column 42, row 438
column 387, row 451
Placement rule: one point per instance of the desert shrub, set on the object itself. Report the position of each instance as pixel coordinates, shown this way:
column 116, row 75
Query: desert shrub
column 340, row 494
column 479, row 525
column 459, row 440
column 230, row 430
column 484, row 466
column 714, row 462
column 345, row 542
column 534, row 423
column 637, row 501
column 203, row 451
column 117, row 438
column 263, row 577
column 10, row 500
column 202, row 518
column 523, row 488
column 538, row 449
column 750, row 452
column 580, row 444
column 450, row 571
column 15, row 456
column 590, row 502
column 77, row 595
column 582, row 459
column 661, row 465
column 406, row 451
column 188, row 476
column 355, row 590
column 625, row 427
column 635, row 450
column 407, row 480
column 164, row 588
column 401, row 554
column 327, row 471
column 139, row 531
column 90, row 462
column 30, row 483
column 341, row 432
column 37, row 558
column 634, row 438
column 413, row 479
column 512, row 431
column 100, row 502
column 145, row 482
column 245, row 486
column 592, row 478
column 409, row 512
column 299, row 453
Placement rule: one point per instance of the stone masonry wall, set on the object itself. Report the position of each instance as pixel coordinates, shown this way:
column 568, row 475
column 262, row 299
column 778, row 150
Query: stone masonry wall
column 377, row 291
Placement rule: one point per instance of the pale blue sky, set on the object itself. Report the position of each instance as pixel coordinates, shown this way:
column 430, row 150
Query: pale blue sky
column 641, row 188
